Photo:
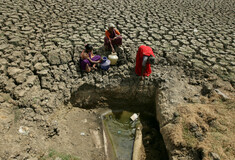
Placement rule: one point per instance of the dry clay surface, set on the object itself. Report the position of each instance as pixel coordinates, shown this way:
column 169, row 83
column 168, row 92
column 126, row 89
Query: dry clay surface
column 40, row 42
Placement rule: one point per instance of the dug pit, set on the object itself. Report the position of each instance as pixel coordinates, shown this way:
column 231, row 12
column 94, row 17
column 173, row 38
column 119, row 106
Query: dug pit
column 120, row 103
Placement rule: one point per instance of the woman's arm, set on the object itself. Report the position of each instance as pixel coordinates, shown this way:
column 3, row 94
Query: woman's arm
column 142, row 72
column 110, row 40
column 93, row 61
column 82, row 55
column 117, row 32
column 143, row 66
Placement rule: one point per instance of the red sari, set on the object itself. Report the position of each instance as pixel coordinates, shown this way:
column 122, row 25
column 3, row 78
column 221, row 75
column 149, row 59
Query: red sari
column 143, row 51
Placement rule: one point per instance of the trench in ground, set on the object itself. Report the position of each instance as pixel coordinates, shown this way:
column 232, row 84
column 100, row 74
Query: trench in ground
column 131, row 99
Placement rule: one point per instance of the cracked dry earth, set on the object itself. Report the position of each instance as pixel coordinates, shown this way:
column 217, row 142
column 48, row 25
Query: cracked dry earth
column 40, row 43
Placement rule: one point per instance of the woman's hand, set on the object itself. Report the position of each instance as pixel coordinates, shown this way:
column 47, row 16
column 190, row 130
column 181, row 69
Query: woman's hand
column 95, row 62
column 110, row 40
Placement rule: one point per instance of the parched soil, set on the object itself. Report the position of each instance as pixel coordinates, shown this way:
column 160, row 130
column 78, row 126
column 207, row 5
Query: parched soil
column 207, row 129
column 67, row 134
column 40, row 43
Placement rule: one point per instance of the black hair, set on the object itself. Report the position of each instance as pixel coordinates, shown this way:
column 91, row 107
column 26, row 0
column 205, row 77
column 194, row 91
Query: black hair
column 88, row 47
column 151, row 59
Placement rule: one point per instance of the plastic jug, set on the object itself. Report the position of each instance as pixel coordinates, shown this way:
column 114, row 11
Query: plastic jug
column 113, row 58
column 105, row 64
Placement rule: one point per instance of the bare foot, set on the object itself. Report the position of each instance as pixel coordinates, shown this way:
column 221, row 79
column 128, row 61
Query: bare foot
column 94, row 67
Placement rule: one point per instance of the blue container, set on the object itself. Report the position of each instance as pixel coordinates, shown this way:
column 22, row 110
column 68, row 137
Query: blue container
column 105, row 64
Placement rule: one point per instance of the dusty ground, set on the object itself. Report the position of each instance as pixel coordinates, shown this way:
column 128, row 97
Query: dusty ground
column 39, row 46
column 209, row 128
column 64, row 135
column 206, row 128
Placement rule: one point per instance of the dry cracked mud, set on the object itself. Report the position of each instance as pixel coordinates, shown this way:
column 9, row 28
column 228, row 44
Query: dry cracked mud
column 194, row 78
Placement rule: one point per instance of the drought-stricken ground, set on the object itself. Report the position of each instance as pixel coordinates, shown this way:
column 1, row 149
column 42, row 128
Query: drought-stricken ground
column 40, row 42
column 206, row 128
column 69, row 133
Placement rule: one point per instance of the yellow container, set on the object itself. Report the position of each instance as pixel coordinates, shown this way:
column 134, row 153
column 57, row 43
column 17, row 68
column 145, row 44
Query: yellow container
column 113, row 58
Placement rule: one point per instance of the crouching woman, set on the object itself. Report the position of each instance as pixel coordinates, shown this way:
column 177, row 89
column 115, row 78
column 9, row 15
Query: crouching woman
column 88, row 60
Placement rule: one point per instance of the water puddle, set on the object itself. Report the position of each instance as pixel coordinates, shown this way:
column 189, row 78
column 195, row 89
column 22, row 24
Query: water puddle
column 122, row 136
column 121, row 130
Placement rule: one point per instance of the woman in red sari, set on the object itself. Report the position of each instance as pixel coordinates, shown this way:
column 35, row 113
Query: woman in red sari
column 144, row 58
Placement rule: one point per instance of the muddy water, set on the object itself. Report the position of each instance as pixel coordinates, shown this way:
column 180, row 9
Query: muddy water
column 121, row 132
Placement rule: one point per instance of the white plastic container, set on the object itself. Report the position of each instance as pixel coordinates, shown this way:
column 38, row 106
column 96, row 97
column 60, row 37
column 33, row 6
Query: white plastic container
column 134, row 117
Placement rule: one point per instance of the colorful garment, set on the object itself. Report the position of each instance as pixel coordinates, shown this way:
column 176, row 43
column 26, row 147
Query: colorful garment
column 84, row 62
column 111, row 35
column 117, row 41
column 95, row 58
column 143, row 51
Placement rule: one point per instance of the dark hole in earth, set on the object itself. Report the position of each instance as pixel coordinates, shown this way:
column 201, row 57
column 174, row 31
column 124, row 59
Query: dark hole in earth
column 132, row 99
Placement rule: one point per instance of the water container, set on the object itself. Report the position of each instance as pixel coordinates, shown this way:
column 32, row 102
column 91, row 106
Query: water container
column 113, row 58
column 105, row 64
